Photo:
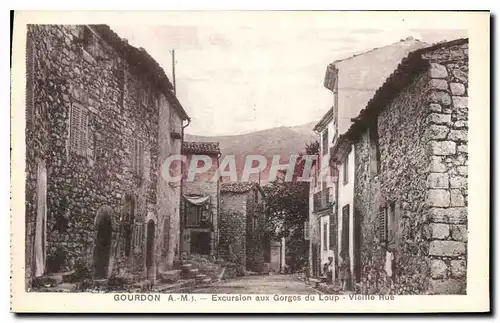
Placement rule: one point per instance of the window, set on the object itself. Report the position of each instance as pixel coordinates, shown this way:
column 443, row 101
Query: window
column 345, row 168
column 306, row 230
column 345, row 230
column 138, row 236
column 325, row 141
column 145, row 96
column 79, row 138
column 193, row 215
column 89, row 41
column 138, row 158
column 382, row 224
column 325, row 236
column 374, row 150
column 121, row 84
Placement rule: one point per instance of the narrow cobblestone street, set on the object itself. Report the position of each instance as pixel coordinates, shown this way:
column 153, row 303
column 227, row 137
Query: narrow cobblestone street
column 272, row 284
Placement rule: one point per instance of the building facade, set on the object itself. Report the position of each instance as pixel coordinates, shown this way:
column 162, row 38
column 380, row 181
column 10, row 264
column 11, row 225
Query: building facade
column 410, row 178
column 201, row 196
column 243, row 238
column 101, row 116
column 352, row 82
column 322, row 197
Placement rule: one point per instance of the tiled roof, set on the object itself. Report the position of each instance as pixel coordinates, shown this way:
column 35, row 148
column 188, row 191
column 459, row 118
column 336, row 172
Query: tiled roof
column 359, row 76
column 399, row 78
column 140, row 58
column 200, row 147
column 239, row 187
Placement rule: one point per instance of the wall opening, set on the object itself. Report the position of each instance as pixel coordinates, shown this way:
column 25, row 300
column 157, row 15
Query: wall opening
column 102, row 251
column 150, row 252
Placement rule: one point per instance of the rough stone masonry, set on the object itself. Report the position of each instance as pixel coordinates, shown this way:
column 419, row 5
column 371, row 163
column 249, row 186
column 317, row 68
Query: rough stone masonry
column 421, row 134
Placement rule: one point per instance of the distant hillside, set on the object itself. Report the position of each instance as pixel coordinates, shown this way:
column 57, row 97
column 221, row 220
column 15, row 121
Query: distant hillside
column 282, row 141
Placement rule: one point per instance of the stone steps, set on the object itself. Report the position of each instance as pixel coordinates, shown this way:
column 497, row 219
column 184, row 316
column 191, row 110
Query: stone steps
column 170, row 276
column 55, row 278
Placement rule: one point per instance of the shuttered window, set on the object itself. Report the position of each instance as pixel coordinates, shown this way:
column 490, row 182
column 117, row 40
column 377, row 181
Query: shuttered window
column 382, row 224
column 325, row 141
column 79, row 130
column 138, row 236
column 345, row 168
column 138, row 157
column 325, row 236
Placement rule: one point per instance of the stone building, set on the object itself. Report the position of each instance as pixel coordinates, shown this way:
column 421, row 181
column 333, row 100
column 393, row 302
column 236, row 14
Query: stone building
column 410, row 178
column 321, row 196
column 352, row 81
column 201, row 195
column 101, row 117
column 243, row 239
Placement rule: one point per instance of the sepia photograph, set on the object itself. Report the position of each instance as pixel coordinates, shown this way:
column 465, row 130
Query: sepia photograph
column 279, row 156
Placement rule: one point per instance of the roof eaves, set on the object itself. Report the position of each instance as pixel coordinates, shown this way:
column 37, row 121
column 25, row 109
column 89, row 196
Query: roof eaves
column 404, row 73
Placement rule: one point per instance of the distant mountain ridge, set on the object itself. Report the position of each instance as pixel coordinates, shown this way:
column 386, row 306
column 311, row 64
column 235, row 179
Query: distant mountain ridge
column 282, row 141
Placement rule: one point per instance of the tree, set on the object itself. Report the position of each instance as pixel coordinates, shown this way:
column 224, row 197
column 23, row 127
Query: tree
column 288, row 210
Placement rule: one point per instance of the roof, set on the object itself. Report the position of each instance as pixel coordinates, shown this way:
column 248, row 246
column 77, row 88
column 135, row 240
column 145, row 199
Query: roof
column 401, row 77
column 239, row 187
column 360, row 76
column 140, row 58
column 200, row 147
column 323, row 122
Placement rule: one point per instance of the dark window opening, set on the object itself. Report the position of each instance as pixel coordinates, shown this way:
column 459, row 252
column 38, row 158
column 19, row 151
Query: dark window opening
column 325, row 141
column 346, row 169
column 345, row 232
column 325, row 236
column 374, row 150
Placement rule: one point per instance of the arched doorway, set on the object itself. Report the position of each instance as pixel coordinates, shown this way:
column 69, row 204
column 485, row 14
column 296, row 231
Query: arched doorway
column 102, row 249
column 150, row 252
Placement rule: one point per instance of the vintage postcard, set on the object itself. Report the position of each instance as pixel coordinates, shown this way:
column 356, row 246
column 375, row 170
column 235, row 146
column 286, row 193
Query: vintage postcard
column 246, row 161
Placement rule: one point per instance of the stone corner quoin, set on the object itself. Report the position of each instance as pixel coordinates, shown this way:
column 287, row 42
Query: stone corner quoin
column 447, row 195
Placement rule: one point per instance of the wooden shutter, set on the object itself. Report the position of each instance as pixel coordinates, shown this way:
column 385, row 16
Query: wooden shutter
column 325, row 236
column 83, row 133
column 382, row 224
column 79, row 136
column 138, row 157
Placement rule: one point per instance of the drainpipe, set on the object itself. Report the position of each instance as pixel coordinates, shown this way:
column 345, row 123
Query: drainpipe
column 181, row 231
column 218, row 210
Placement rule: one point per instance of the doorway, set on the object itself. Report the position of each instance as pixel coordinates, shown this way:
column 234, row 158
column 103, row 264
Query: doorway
column 102, row 251
column 150, row 249
column 200, row 242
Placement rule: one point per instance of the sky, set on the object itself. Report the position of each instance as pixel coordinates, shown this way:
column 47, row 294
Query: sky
column 248, row 76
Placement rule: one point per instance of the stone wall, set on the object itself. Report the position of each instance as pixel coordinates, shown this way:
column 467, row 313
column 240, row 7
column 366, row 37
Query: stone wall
column 232, row 242
column 168, row 193
column 447, row 193
column 423, row 167
column 107, row 87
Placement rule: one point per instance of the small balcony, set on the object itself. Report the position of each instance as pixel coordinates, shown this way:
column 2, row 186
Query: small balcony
column 323, row 199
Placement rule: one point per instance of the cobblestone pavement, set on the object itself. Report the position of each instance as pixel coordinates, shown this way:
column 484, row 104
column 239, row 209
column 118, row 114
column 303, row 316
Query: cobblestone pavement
column 267, row 284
